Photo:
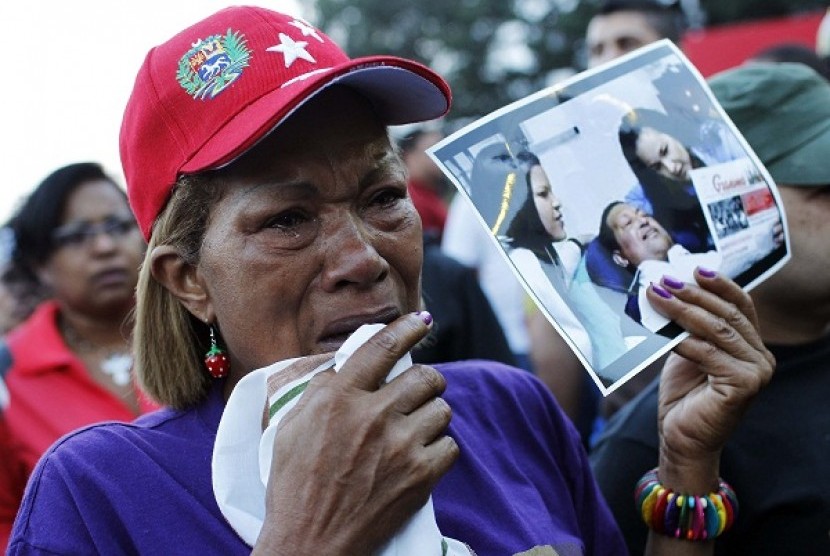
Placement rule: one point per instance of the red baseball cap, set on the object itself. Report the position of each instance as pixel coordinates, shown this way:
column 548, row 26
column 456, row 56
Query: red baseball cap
column 211, row 92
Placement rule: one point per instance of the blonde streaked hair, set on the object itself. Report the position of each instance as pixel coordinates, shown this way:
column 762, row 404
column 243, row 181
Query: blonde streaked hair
column 168, row 342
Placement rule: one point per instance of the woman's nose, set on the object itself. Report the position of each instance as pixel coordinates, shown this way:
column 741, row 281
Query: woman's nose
column 102, row 242
column 351, row 256
column 673, row 167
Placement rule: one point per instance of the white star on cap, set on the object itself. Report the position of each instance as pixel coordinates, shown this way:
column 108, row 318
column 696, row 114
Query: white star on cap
column 291, row 50
column 306, row 29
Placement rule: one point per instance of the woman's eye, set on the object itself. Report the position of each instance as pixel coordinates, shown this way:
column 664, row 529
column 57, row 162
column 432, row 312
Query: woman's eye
column 292, row 228
column 388, row 197
column 287, row 220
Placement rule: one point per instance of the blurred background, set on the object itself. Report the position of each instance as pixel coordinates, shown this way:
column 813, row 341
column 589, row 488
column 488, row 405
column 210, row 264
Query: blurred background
column 69, row 66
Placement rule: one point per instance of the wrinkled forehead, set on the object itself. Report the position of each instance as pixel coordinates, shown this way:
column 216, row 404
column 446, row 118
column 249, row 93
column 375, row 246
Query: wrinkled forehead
column 338, row 126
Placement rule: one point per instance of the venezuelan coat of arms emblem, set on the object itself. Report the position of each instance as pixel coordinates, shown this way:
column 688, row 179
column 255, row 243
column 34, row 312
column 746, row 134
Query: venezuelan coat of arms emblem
column 212, row 64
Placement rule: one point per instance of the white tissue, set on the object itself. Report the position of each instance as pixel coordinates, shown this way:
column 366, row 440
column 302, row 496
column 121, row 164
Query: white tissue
column 242, row 459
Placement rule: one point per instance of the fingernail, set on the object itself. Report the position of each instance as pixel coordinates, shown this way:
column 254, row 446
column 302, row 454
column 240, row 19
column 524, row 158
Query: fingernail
column 672, row 282
column 425, row 316
column 665, row 294
column 706, row 273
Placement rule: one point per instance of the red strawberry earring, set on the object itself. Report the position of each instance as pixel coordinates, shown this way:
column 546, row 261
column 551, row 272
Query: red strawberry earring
column 216, row 360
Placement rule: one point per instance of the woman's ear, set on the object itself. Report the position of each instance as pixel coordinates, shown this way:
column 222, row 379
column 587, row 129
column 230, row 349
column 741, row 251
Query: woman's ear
column 619, row 260
column 182, row 279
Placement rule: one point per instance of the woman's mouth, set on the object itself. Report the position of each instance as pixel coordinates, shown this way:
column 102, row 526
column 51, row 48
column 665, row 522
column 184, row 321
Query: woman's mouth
column 109, row 278
column 339, row 330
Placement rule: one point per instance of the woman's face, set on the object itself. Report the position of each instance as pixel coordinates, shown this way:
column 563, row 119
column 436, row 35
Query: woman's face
column 314, row 236
column 547, row 205
column 664, row 154
column 98, row 250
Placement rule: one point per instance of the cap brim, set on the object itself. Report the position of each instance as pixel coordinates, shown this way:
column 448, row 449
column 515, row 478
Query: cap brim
column 807, row 164
column 401, row 92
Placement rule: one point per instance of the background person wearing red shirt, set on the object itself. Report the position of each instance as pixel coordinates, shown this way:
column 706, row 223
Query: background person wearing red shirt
column 68, row 365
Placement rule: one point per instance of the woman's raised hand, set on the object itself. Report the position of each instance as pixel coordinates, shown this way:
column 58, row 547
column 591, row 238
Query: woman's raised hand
column 358, row 456
column 710, row 380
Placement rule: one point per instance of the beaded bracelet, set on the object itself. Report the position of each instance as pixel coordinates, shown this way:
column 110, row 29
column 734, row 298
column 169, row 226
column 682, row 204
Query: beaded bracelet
column 685, row 516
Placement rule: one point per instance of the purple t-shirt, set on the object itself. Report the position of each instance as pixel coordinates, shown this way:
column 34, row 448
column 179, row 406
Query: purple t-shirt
column 522, row 480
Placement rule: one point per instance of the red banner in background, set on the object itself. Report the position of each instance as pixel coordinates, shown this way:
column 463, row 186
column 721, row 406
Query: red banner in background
column 719, row 48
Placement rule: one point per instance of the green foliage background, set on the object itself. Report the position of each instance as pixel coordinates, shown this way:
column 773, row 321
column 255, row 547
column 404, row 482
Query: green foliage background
column 461, row 38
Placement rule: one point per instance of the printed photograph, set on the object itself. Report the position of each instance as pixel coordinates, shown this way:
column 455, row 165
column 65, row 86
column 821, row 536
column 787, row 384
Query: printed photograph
column 601, row 185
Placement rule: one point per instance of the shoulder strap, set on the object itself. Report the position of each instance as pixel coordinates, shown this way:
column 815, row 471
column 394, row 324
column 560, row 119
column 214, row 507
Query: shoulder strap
column 578, row 244
column 555, row 275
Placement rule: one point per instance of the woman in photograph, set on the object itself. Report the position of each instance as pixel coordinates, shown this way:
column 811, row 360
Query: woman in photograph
column 662, row 156
column 549, row 261
column 539, row 247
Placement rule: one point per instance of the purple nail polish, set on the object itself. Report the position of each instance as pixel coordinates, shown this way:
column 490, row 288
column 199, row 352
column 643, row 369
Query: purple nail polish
column 661, row 292
column 672, row 282
column 706, row 273
column 426, row 317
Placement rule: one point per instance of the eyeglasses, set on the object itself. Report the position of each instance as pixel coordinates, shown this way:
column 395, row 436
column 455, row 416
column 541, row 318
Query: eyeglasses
column 82, row 235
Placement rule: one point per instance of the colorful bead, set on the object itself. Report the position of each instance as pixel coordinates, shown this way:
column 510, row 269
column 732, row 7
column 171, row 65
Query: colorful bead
column 685, row 516
column 711, row 520
column 659, row 510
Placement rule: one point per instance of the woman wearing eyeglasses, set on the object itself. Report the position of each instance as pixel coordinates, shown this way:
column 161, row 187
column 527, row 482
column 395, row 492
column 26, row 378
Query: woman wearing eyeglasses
column 68, row 365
